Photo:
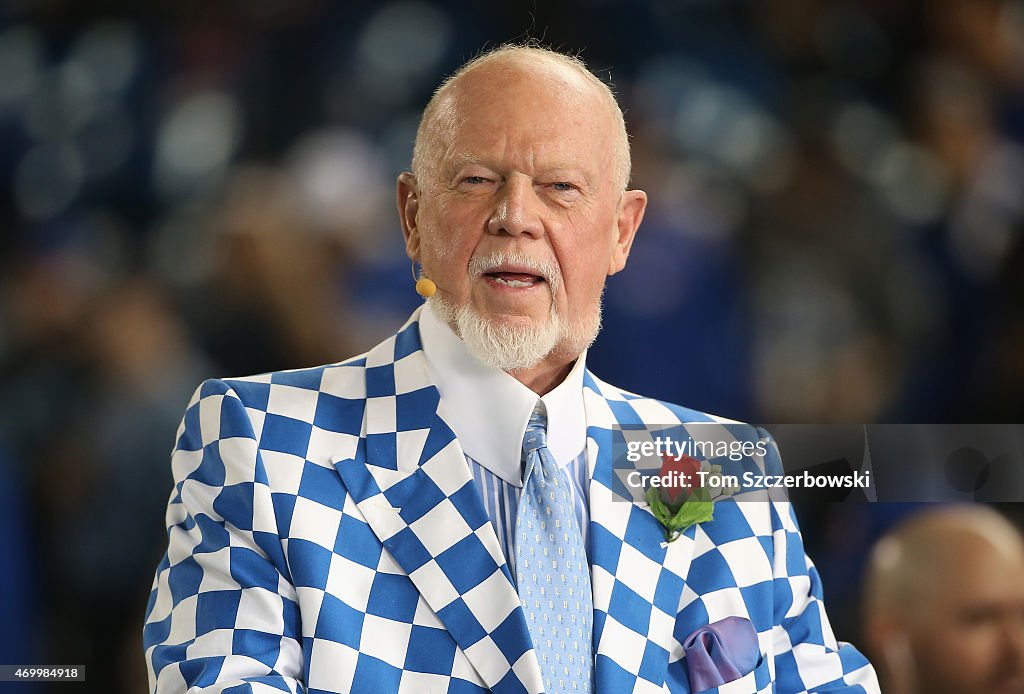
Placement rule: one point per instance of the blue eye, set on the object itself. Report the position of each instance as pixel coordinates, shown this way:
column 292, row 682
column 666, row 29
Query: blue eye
column 474, row 180
column 562, row 186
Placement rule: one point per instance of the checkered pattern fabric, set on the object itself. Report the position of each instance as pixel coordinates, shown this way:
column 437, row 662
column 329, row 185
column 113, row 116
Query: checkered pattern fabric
column 325, row 535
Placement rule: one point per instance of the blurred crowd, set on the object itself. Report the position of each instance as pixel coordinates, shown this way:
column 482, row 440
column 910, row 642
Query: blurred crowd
column 836, row 233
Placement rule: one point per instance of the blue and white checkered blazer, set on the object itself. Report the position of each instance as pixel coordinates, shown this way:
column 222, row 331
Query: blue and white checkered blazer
column 325, row 535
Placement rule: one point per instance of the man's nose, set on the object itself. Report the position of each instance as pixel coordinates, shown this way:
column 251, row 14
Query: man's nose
column 518, row 209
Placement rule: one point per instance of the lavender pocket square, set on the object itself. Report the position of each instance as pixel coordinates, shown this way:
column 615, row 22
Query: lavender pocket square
column 721, row 652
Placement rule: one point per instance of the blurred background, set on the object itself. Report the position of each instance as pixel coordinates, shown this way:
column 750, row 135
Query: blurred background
column 197, row 190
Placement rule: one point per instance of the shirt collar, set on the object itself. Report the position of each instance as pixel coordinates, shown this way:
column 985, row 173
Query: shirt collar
column 488, row 409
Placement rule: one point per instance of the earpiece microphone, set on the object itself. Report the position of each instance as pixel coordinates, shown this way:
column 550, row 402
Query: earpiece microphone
column 424, row 287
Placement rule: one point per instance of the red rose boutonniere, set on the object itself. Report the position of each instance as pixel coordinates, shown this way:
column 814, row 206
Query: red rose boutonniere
column 676, row 496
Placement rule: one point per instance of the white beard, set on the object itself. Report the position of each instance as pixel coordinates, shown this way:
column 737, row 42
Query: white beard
column 516, row 347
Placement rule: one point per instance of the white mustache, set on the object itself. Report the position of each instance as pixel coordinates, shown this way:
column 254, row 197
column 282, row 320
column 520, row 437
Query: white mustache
column 548, row 269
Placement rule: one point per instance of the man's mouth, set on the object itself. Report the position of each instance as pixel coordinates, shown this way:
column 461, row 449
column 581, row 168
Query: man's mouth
column 513, row 273
column 514, row 279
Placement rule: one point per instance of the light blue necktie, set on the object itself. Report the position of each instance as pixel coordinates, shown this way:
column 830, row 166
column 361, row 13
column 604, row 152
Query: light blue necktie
column 552, row 571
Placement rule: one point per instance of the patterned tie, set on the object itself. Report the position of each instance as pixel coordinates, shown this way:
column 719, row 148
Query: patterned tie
column 552, row 571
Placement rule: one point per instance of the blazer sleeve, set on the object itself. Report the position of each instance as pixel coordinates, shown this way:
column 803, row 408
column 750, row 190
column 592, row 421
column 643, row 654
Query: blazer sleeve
column 808, row 658
column 223, row 613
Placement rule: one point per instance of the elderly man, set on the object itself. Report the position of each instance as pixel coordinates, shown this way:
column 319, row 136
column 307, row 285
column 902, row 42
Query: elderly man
column 944, row 604
column 437, row 515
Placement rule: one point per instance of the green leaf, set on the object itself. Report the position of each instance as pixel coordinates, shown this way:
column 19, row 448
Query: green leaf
column 661, row 512
column 697, row 508
column 693, row 511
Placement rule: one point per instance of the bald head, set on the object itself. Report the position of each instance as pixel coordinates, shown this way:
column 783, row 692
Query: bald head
column 489, row 75
column 935, row 551
column 944, row 603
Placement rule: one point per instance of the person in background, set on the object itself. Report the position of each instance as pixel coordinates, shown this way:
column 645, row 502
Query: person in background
column 944, row 604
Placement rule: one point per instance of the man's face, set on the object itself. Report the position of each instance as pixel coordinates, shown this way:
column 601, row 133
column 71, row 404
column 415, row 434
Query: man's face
column 970, row 639
column 529, row 168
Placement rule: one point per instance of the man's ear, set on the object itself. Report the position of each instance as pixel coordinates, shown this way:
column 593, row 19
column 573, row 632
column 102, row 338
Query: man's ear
column 631, row 213
column 407, row 194
column 892, row 652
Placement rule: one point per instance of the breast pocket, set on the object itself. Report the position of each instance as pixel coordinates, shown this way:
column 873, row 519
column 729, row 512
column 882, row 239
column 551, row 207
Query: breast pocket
column 758, row 680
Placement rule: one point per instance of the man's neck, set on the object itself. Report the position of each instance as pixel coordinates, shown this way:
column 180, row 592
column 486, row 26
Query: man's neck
column 545, row 376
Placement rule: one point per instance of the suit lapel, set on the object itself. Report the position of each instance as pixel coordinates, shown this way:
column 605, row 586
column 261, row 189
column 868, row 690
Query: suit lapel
column 412, row 484
column 624, row 534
